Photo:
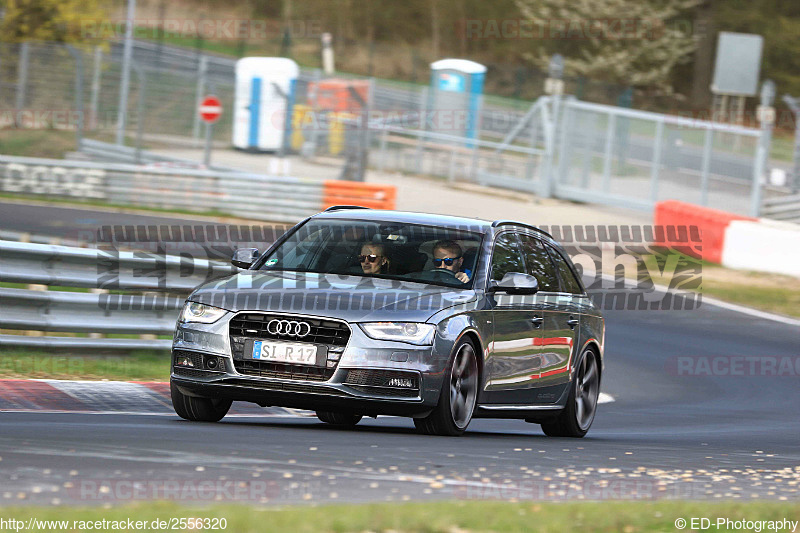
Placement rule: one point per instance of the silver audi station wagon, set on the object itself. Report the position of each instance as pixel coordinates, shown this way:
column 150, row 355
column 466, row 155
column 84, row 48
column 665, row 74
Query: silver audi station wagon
column 357, row 312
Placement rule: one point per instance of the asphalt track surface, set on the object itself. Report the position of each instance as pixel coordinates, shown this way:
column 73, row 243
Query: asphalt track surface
column 666, row 436
column 81, row 225
column 676, row 430
column 74, row 223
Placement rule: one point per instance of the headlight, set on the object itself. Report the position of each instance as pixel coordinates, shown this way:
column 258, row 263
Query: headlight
column 205, row 314
column 410, row 332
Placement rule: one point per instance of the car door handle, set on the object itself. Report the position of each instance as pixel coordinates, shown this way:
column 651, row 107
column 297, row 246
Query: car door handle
column 572, row 322
column 537, row 321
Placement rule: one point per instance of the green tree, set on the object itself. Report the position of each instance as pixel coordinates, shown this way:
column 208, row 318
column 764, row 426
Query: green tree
column 68, row 21
column 631, row 42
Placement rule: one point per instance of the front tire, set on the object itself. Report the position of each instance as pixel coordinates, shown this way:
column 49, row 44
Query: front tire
column 339, row 419
column 453, row 413
column 198, row 409
column 577, row 417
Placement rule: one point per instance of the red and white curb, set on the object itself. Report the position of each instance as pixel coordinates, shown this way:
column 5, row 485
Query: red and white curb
column 106, row 397
column 117, row 397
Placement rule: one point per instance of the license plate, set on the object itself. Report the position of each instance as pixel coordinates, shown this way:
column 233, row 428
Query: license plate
column 285, row 352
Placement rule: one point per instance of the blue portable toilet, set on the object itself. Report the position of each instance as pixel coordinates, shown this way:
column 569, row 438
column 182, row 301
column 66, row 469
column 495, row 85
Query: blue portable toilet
column 456, row 97
column 264, row 102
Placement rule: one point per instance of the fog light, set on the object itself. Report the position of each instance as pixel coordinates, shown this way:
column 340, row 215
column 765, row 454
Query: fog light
column 183, row 361
column 211, row 363
column 404, row 383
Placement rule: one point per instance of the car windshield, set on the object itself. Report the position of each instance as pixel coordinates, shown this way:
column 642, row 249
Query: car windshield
column 408, row 252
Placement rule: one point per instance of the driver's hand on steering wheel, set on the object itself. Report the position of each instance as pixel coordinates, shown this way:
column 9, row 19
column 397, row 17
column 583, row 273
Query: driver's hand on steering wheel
column 462, row 277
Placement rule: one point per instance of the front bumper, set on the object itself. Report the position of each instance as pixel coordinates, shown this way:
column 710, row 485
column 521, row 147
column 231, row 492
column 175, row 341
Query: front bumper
column 314, row 397
column 425, row 363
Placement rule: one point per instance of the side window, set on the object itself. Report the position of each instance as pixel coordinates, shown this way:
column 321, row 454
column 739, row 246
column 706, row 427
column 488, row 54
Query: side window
column 568, row 281
column 506, row 256
column 301, row 251
column 539, row 264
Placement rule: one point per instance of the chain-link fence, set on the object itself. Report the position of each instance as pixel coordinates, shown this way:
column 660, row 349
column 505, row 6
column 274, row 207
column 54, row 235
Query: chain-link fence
column 38, row 84
column 587, row 152
column 636, row 158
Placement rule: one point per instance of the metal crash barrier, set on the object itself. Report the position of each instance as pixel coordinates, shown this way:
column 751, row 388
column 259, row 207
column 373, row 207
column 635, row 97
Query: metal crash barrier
column 130, row 293
column 239, row 194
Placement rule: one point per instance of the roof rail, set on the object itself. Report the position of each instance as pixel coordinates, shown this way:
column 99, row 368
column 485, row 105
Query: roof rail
column 497, row 223
column 344, row 207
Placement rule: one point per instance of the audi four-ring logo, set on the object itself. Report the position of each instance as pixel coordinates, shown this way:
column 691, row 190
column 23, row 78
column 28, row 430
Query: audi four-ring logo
column 288, row 327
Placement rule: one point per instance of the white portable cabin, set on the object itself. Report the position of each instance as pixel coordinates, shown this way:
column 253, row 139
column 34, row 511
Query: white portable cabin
column 457, row 96
column 265, row 92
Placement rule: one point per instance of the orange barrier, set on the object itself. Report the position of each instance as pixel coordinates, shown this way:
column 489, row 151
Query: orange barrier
column 683, row 223
column 335, row 94
column 357, row 193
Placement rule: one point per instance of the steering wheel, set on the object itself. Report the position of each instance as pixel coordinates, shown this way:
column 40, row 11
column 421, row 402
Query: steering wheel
column 442, row 271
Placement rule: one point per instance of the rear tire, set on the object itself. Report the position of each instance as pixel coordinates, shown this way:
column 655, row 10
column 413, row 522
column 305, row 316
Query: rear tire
column 577, row 417
column 198, row 409
column 339, row 419
column 453, row 413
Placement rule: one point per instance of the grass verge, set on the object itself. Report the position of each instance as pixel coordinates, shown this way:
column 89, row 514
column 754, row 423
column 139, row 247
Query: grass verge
column 49, row 144
column 773, row 293
column 71, row 202
column 781, row 297
column 782, row 148
column 449, row 516
column 138, row 365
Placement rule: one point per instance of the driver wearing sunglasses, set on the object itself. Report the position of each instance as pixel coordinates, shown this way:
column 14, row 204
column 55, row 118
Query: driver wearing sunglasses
column 448, row 255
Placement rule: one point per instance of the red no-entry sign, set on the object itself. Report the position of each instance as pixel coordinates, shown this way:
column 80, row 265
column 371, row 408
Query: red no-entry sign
column 210, row 109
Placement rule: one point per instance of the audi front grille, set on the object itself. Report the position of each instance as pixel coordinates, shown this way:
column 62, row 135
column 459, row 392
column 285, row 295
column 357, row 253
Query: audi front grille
column 332, row 334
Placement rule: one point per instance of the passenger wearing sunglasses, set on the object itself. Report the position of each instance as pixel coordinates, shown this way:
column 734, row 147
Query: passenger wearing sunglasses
column 448, row 255
column 373, row 259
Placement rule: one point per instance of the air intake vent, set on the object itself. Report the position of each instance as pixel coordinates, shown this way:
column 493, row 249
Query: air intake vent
column 284, row 371
column 384, row 382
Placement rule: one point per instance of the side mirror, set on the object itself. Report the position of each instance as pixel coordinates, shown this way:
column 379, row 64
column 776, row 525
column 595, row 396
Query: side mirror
column 515, row 283
column 244, row 257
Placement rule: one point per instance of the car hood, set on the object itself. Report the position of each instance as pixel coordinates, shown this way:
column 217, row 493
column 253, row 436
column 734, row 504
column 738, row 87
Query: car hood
column 351, row 298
